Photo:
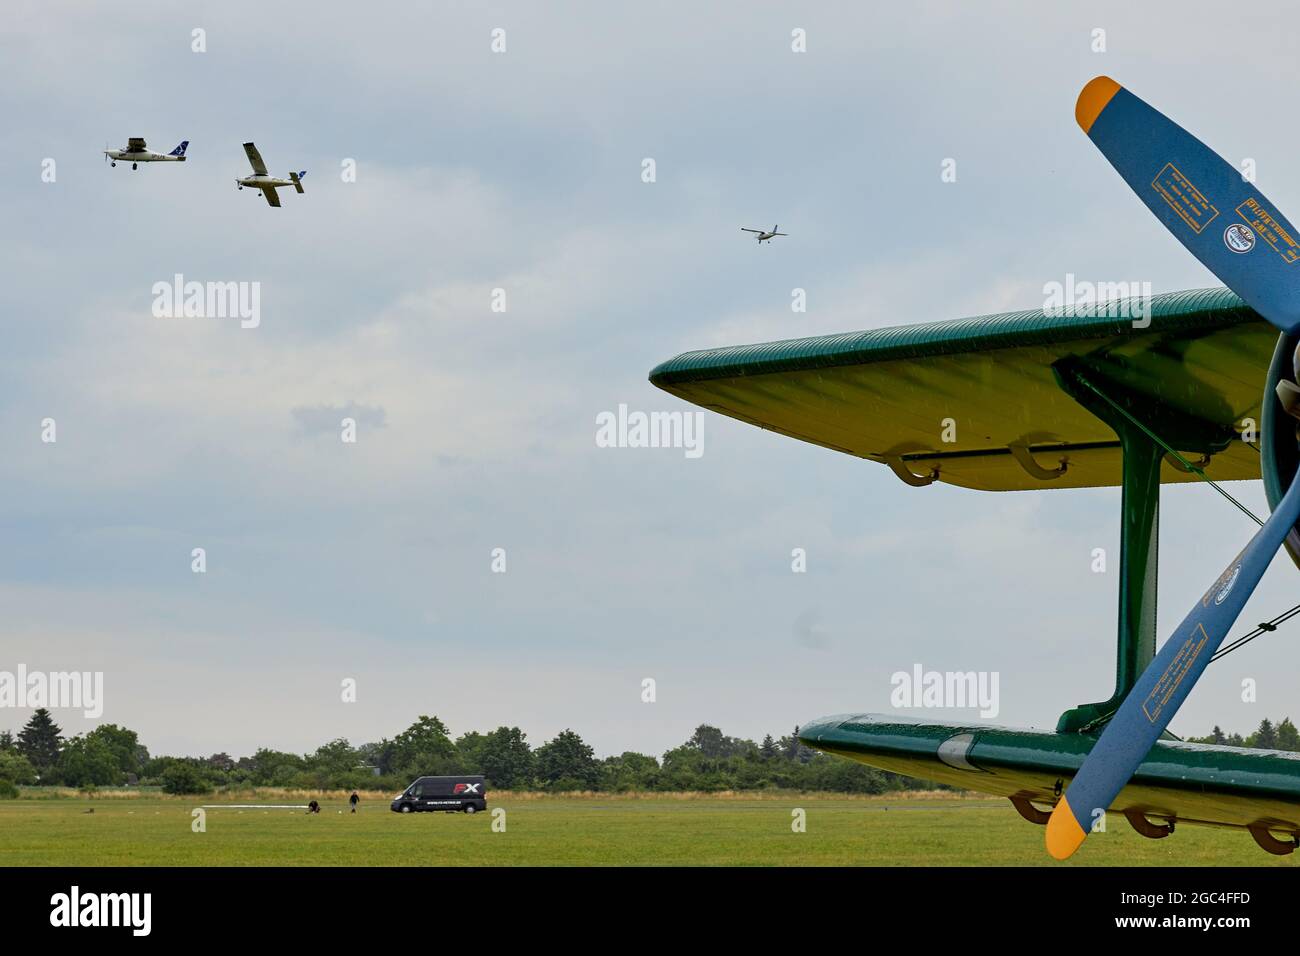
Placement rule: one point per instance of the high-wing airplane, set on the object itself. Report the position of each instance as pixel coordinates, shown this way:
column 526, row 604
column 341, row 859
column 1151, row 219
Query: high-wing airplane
column 763, row 235
column 136, row 152
column 265, row 182
column 1185, row 386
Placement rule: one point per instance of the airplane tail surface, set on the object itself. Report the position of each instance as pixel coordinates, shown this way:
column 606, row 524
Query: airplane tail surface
column 297, row 180
column 180, row 150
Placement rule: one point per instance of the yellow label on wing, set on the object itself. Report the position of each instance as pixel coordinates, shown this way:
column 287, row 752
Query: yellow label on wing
column 1174, row 673
column 1185, row 199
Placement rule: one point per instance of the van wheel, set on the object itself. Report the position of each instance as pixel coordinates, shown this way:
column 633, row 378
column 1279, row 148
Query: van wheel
column 470, row 809
column 406, row 808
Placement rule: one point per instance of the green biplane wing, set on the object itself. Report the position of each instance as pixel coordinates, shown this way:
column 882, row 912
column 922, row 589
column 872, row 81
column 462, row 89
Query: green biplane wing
column 1032, row 400
column 979, row 403
column 1253, row 790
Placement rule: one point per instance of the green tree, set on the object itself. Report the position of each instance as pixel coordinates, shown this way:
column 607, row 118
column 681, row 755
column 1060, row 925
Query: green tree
column 469, row 751
column 566, row 763
column 39, row 742
column 123, row 744
column 792, row 749
column 687, row 768
column 712, row 742
column 182, row 776
column 1265, row 737
column 7, row 742
column 88, row 761
column 841, row 775
column 708, row 740
column 629, row 772
column 222, row 762
column 1288, row 738
column 790, row 745
column 16, row 768
column 334, row 764
column 422, row 748
column 275, row 768
column 370, row 754
column 505, row 758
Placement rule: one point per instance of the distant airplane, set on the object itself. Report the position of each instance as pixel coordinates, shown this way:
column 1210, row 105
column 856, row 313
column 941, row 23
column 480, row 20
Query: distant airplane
column 761, row 234
column 135, row 151
column 268, row 184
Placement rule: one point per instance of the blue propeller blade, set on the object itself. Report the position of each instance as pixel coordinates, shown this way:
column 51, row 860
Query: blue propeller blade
column 1165, row 684
column 1223, row 220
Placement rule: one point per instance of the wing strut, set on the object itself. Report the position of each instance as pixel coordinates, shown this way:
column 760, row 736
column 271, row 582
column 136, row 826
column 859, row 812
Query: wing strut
column 1142, row 455
column 1175, row 457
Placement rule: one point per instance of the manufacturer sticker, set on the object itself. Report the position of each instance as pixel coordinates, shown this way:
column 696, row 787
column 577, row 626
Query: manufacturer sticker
column 1239, row 238
column 1222, row 594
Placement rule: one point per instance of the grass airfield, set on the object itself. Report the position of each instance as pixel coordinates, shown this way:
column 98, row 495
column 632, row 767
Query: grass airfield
column 579, row 830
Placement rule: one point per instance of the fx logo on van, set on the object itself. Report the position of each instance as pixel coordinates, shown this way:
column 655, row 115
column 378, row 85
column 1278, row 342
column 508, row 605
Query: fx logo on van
column 465, row 788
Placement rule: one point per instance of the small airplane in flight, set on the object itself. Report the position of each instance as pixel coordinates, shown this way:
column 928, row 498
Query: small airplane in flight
column 135, row 152
column 762, row 234
column 265, row 182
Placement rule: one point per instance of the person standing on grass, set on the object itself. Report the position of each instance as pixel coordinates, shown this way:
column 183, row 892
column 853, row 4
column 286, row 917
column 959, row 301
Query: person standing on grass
column 354, row 800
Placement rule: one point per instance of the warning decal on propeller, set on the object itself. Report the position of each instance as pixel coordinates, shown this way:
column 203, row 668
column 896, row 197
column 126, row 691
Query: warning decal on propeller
column 1184, row 198
column 1267, row 226
column 1174, row 673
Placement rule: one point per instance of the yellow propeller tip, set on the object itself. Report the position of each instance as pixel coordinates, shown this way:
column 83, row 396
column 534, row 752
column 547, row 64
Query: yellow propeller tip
column 1064, row 835
column 1093, row 99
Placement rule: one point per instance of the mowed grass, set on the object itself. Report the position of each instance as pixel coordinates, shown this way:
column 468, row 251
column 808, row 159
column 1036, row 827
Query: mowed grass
column 739, row 830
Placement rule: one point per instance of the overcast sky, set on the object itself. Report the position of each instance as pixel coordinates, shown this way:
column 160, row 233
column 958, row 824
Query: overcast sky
column 522, row 170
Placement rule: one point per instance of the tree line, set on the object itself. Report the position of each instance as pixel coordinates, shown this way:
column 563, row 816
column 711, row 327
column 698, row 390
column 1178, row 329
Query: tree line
column 1268, row 736
column 111, row 755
